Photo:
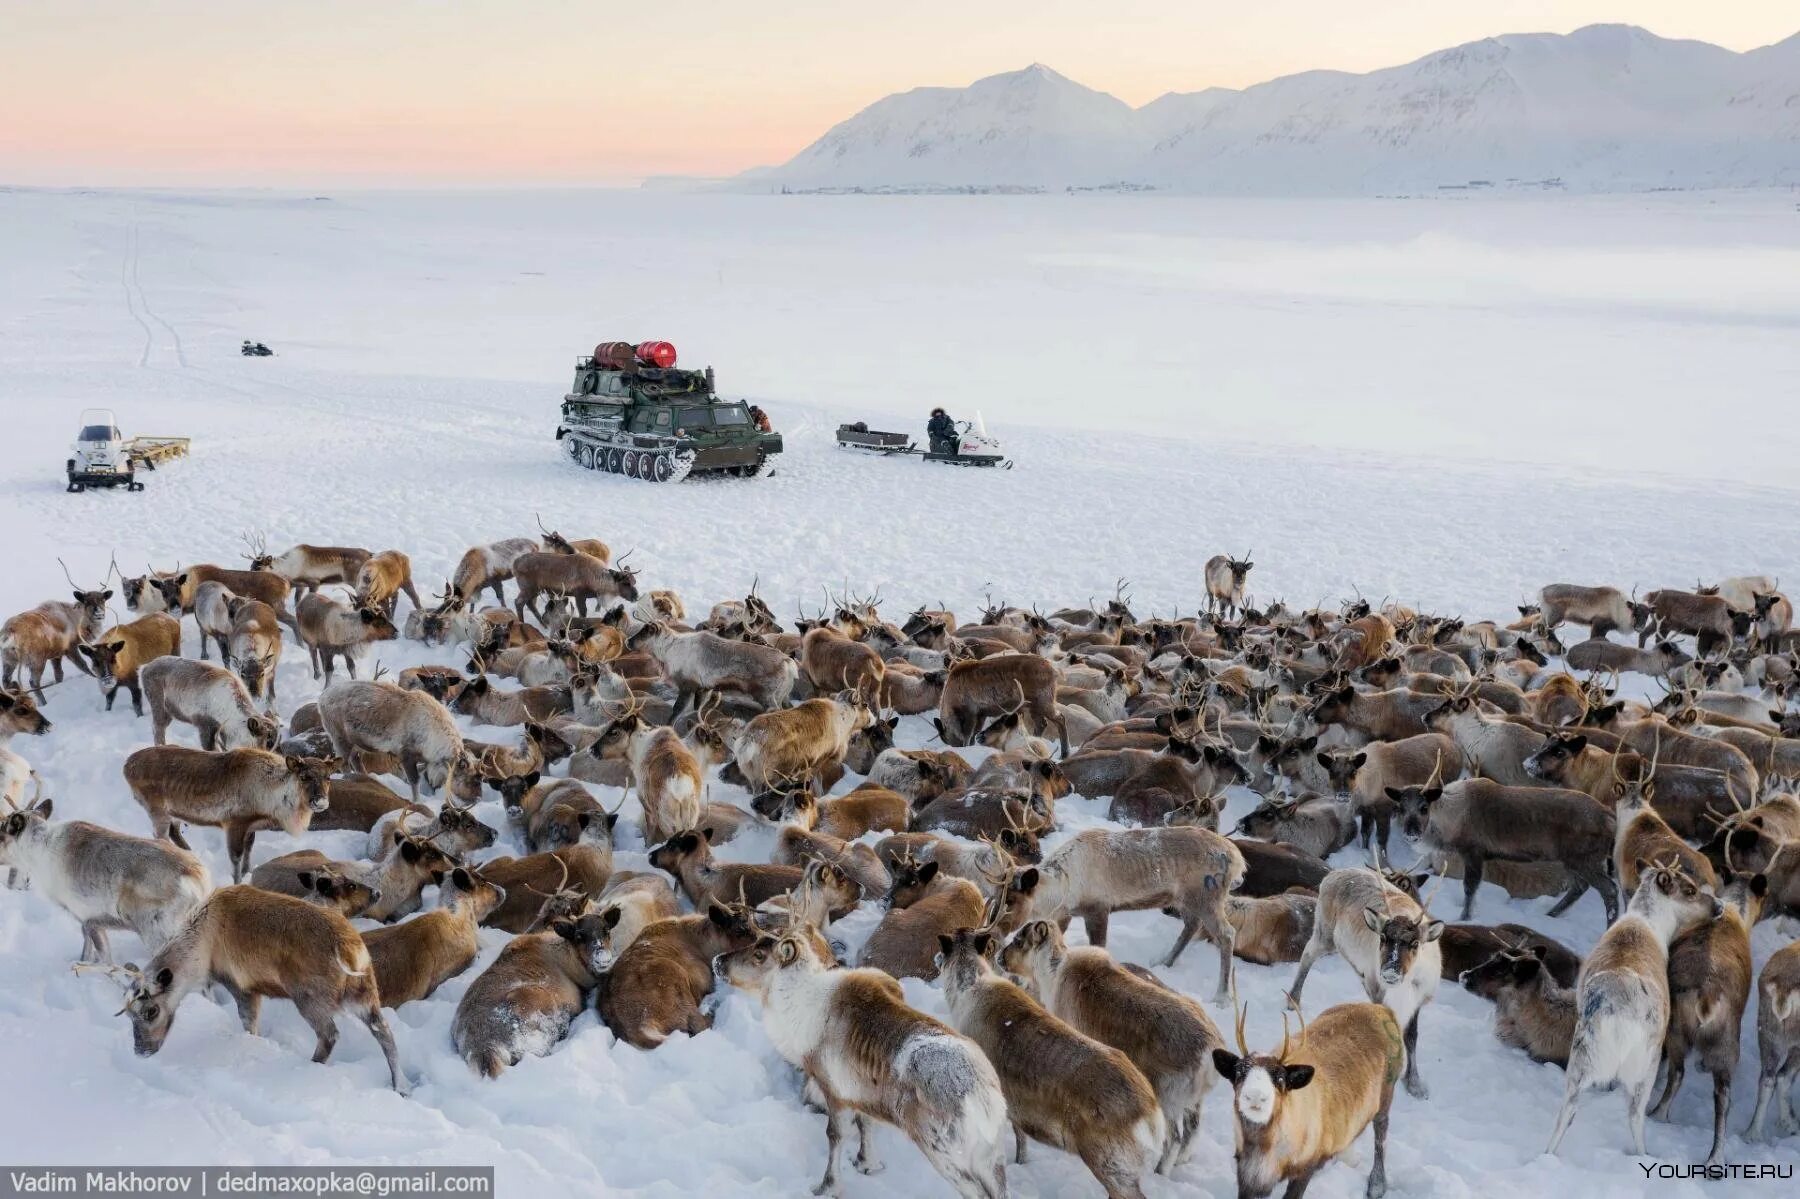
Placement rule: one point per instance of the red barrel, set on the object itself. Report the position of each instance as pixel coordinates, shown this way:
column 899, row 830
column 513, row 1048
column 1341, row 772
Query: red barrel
column 656, row 353
column 617, row 355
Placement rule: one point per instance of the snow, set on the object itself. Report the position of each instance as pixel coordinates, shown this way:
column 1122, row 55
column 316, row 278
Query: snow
column 1605, row 108
column 1448, row 402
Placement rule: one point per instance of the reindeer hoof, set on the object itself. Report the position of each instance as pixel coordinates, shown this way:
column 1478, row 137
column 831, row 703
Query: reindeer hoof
column 1416, row 1088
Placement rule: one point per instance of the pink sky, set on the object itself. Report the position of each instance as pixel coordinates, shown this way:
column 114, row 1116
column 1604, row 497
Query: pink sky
column 545, row 91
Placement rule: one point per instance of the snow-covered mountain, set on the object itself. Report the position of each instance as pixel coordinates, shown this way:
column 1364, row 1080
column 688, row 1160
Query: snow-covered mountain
column 1606, row 108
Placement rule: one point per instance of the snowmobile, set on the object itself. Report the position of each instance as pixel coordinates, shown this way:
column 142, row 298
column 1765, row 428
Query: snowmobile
column 256, row 349
column 104, row 457
column 974, row 447
column 101, row 458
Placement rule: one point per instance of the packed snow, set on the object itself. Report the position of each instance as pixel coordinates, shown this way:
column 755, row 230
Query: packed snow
column 1605, row 108
column 1447, row 403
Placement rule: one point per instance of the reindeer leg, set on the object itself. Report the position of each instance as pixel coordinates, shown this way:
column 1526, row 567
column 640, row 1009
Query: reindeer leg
column 1721, row 1112
column 413, row 595
column 1765, row 1091
column 1415, row 1086
column 1377, row 1186
column 384, row 1037
column 1019, row 1144
column 1638, row 1099
column 865, row 1160
column 93, row 942
column 1675, row 1059
column 249, row 1009
column 1578, row 888
column 1572, row 1087
column 137, row 698
column 324, row 1024
column 1473, row 865
column 828, row 1185
column 1095, row 924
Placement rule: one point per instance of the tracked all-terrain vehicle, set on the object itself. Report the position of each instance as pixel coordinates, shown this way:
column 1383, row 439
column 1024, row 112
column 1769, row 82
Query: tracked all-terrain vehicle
column 633, row 412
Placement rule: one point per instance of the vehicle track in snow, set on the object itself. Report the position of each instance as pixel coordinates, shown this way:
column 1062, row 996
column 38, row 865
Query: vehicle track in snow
column 138, row 302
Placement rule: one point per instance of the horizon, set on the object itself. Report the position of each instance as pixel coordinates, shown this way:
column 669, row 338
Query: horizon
column 204, row 94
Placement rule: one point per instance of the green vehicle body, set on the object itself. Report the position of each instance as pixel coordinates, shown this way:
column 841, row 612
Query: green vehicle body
column 660, row 424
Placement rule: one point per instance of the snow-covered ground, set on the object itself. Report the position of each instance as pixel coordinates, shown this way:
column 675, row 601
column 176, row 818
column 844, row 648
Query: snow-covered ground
column 1451, row 403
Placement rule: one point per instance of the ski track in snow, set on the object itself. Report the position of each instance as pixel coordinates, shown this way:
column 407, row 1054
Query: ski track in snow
column 315, row 445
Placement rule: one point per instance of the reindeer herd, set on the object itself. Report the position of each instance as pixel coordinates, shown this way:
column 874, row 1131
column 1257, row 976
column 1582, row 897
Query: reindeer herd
column 1500, row 753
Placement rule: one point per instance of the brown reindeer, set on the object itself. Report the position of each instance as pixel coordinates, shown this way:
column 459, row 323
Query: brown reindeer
column 116, row 654
column 1303, row 1106
column 1533, row 1009
column 238, row 790
column 1062, row 1087
column 208, row 697
column 1166, row 1035
column 307, row 567
column 381, row 580
column 580, row 577
column 655, row 986
column 255, row 944
column 524, row 1002
column 415, row 958
column 331, row 630
column 48, row 635
column 977, row 691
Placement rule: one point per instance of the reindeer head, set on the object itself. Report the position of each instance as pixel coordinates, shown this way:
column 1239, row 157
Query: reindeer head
column 256, row 552
column 1402, row 937
column 332, row 888
column 314, row 778
column 1666, row 889
column 19, row 825
column 1514, row 966
column 1553, row 759
column 1261, row 1081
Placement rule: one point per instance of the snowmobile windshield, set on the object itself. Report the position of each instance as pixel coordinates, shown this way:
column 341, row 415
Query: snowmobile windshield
column 99, row 433
column 700, row 418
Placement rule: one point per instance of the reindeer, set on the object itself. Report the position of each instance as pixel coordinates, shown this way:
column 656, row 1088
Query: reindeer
column 1317, row 824
column 208, row 697
column 307, row 567
column 331, row 630
column 833, row 662
column 655, row 986
column 1302, row 1107
column 688, row 857
column 560, row 812
column 580, row 577
column 150, row 593
column 806, row 742
column 1623, row 995
column 49, row 634
column 976, row 691
column 1225, row 576
column 1706, row 617
column 238, row 790
column 853, row 1036
column 397, row 879
column 267, row 586
column 413, row 959
column 116, row 655
column 212, row 616
column 1491, row 747
column 700, row 662
column 1186, row 871
column 1479, row 820
column 1777, row 1039
column 1533, row 1009
column 1062, row 1087
column 542, row 887
column 924, row 903
column 1389, row 939
column 486, row 567
column 1166, row 1035
column 669, row 782
column 104, row 879
column 1602, row 609
column 1603, row 655
column 364, row 717
column 381, row 580
column 255, row 943
column 523, row 1003
column 253, row 647
column 1367, row 774
column 1709, row 986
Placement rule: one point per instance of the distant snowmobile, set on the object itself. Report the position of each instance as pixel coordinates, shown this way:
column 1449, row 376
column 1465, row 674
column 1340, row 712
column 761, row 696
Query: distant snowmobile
column 256, row 349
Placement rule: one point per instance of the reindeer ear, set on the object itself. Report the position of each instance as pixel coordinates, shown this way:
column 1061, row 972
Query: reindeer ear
column 1323, row 760
column 946, row 943
column 1027, row 881
column 165, row 977
column 1433, row 930
column 1759, row 885
column 1295, row 1078
column 1225, row 1062
column 1373, row 919
column 1395, row 794
column 928, row 871
column 305, row 879
column 410, row 851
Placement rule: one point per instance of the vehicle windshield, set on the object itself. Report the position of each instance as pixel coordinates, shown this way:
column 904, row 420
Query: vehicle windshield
column 99, row 433
column 721, row 414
